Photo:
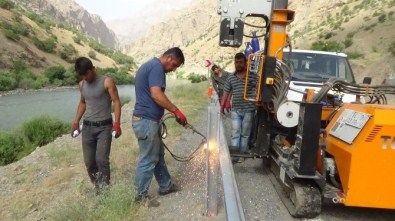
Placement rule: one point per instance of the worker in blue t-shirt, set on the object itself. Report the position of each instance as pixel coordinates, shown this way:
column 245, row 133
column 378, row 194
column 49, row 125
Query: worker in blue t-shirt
column 150, row 85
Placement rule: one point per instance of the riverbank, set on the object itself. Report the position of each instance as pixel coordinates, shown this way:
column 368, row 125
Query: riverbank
column 21, row 91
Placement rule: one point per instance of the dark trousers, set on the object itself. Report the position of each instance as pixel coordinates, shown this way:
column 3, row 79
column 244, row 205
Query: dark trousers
column 96, row 147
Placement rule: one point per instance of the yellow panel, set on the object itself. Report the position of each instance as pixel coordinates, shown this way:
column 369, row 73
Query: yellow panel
column 366, row 167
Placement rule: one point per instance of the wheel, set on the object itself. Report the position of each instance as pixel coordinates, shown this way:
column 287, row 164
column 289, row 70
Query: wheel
column 306, row 199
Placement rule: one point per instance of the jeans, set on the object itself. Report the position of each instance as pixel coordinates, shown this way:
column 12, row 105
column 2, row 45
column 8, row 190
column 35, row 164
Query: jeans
column 241, row 129
column 151, row 159
column 96, row 147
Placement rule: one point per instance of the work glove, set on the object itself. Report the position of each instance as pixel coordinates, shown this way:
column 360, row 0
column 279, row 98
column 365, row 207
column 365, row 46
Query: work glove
column 228, row 106
column 116, row 130
column 75, row 130
column 222, row 109
column 180, row 117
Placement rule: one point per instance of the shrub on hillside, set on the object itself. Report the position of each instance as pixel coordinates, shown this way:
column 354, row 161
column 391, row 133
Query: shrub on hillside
column 382, row 18
column 327, row 46
column 100, row 48
column 68, row 53
column 55, row 72
column 47, row 45
column 35, row 82
column 70, row 77
column 92, row 54
column 6, row 4
column 19, row 66
column 122, row 58
column 348, row 42
column 7, row 82
column 10, row 146
column 44, row 129
column 196, row 78
column 11, row 34
column 38, row 131
column 14, row 30
column 354, row 55
column 120, row 77
column 392, row 48
column 45, row 24
column 78, row 38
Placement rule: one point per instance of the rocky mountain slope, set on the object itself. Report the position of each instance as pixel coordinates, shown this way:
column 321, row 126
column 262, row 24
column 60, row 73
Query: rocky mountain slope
column 362, row 28
column 73, row 14
column 137, row 24
column 30, row 32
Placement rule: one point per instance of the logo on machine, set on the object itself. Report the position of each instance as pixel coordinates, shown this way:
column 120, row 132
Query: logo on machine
column 385, row 142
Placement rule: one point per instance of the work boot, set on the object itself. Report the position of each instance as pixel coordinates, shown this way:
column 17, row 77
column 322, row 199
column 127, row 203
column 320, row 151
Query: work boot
column 240, row 160
column 147, row 201
column 173, row 188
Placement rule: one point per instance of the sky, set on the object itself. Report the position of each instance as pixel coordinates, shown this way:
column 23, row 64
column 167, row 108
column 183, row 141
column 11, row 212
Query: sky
column 113, row 9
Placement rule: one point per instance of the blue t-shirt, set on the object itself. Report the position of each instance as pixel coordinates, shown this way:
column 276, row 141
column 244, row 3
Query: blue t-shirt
column 150, row 74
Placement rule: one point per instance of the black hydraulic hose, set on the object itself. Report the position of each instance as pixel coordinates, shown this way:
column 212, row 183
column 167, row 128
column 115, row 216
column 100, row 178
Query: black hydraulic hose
column 162, row 133
column 375, row 93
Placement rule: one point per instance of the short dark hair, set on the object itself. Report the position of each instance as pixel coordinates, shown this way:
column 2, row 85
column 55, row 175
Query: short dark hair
column 240, row 56
column 175, row 52
column 214, row 67
column 83, row 65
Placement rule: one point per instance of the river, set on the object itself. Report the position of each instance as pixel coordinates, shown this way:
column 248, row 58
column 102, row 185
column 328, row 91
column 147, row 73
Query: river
column 16, row 108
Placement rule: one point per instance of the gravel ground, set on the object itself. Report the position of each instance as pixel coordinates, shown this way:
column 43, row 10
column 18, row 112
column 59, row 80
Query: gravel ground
column 189, row 203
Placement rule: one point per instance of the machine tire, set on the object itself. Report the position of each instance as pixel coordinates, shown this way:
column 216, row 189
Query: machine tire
column 306, row 199
column 266, row 162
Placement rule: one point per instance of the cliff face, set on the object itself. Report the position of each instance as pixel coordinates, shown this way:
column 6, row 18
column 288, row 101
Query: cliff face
column 73, row 14
column 363, row 29
column 137, row 23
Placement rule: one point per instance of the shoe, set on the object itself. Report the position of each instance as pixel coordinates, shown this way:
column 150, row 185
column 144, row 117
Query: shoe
column 173, row 188
column 147, row 201
column 240, row 160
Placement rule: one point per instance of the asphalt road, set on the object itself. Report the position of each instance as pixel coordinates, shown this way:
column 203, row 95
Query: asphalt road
column 261, row 202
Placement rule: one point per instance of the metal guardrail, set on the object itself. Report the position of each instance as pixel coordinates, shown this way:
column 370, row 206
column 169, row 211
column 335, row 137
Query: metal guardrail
column 217, row 150
column 212, row 163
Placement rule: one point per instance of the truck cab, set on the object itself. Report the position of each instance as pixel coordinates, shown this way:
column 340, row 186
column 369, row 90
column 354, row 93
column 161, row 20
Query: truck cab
column 313, row 68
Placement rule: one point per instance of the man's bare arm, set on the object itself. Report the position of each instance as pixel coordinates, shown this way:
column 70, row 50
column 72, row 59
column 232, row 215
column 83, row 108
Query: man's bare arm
column 113, row 92
column 161, row 99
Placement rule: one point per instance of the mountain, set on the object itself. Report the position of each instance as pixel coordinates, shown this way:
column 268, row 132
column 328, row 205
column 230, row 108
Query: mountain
column 362, row 28
column 39, row 59
column 32, row 37
column 73, row 14
column 136, row 25
column 193, row 29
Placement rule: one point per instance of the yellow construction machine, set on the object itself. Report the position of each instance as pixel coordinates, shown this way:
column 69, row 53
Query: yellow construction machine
column 321, row 149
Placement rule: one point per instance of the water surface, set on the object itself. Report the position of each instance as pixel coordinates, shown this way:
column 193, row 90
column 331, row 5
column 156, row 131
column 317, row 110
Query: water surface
column 61, row 102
